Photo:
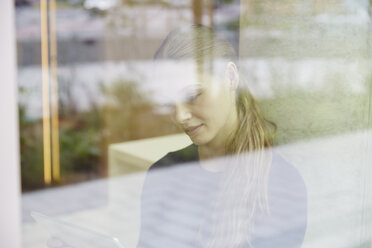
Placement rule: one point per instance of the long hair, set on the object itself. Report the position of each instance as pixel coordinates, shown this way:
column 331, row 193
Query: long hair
column 243, row 189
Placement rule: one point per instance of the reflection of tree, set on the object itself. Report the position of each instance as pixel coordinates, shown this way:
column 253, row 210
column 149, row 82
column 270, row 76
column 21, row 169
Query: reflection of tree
column 79, row 144
column 197, row 10
column 67, row 104
column 31, row 146
column 130, row 114
column 80, row 141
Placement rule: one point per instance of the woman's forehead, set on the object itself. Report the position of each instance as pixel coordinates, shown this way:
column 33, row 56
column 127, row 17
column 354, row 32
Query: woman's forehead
column 174, row 80
column 188, row 69
column 174, row 93
column 181, row 72
column 184, row 72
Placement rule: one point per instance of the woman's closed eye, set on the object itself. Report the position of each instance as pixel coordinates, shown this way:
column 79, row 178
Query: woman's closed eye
column 193, row 97
column 166, row 108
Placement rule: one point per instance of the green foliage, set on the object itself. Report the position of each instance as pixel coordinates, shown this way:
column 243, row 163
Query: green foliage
column 80, row 141
column 84, row 137
column 31, row 148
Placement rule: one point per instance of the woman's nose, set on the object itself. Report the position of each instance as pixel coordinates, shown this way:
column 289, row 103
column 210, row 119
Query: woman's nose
column 182, row 113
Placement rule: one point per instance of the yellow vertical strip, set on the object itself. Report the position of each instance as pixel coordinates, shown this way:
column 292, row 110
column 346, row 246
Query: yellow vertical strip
column 45, row 82
column 54, row 66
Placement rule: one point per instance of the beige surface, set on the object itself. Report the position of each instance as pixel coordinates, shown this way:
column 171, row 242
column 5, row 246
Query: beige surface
column 138, row 155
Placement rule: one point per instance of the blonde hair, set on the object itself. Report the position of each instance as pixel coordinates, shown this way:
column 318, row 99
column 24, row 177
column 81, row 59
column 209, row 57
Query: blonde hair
column 244, row 186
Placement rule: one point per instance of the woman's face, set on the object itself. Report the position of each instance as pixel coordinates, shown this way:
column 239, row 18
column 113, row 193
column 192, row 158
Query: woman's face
column 204, row 107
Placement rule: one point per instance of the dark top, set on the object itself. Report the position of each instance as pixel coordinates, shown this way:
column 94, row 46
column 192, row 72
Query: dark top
column 178, row 195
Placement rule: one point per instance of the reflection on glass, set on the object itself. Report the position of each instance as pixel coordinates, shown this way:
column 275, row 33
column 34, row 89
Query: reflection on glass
column 306, row 64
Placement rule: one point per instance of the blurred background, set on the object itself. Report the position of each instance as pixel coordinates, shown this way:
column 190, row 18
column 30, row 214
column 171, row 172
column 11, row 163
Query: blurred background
column 90, row 126
column 98, row 76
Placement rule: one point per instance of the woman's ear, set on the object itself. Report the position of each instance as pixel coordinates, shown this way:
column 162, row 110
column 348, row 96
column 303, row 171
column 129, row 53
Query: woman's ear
column 232, row 76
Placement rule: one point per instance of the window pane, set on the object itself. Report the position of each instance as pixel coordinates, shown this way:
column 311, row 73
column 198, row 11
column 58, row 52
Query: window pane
column 266, row 104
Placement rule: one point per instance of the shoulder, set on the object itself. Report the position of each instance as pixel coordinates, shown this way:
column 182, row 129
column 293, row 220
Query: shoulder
column 185, row 155
column 286, row 187
column 286, row 224
column 284, row 174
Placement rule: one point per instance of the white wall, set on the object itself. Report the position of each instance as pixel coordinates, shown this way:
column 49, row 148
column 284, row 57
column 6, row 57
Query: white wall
column 9, row 147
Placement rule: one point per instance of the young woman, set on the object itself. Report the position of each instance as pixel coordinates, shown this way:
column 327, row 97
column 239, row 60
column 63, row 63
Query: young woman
column 233, row 190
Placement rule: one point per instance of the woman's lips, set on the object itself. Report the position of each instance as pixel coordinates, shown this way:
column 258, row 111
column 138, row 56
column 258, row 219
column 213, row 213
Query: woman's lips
column 192, row 130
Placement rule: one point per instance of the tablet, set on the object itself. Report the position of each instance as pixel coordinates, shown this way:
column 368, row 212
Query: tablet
column 74, row 236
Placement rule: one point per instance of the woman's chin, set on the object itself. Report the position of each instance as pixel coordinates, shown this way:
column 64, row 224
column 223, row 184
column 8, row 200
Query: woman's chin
column 197, row 140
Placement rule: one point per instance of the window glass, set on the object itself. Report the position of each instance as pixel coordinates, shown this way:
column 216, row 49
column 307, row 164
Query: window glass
column 195, row 123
